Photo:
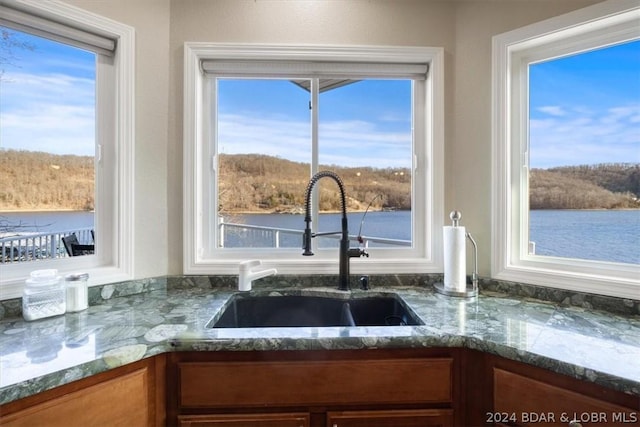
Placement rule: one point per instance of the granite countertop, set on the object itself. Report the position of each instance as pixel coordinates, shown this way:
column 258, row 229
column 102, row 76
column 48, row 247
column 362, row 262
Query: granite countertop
column 590, row 345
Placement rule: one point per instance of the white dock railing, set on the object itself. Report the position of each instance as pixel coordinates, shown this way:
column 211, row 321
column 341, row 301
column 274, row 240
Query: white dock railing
column 25, row 247
column 274, row 236
column 22, row 247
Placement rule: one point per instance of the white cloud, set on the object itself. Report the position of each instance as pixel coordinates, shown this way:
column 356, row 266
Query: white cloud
column 552, row 110
column 29, row 87
column 393, row 117
column 51, row 112
column 276, row 137
column 346, row 142
column 586, row 136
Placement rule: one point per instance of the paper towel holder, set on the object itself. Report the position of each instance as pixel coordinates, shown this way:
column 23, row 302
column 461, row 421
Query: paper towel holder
column 472, row 288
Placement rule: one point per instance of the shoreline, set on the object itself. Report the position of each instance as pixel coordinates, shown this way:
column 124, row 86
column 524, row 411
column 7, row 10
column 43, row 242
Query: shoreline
column 41, row 210
column 273, row 212
column 297, row 212
column 301, row 212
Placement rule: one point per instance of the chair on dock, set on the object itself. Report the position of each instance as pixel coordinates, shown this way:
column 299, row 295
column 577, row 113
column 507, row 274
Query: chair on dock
column 74, row 248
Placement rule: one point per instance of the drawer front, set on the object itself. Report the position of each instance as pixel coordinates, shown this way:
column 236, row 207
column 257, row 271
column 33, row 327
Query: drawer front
column 245, row 420
column 526, row 401
column 247, row 384
column 396, row 418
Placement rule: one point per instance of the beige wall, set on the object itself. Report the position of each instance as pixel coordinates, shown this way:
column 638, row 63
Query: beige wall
column 151, row 21
column 355, row 22
column 468, row 150
column 463, row 28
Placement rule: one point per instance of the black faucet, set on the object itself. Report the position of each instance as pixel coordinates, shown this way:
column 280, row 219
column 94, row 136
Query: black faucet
column 345, row 251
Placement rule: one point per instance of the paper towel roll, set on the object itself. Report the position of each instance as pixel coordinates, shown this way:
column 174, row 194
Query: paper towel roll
column 455, row 260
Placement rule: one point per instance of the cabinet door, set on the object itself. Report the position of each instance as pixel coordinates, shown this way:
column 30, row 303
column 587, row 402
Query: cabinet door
column 122, row 401
column 393, row 418
column 245, row 420
column 525, row 401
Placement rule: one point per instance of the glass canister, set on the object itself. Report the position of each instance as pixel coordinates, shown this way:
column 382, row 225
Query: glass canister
column 77, row 292
column 43, row 295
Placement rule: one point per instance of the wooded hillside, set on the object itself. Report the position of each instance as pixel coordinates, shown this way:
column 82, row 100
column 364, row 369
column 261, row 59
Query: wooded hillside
column 33, row 180
column 252, row 182
column 258, row 183
column 602, row 186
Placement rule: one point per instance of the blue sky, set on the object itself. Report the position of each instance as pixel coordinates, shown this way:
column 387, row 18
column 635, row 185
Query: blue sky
column 364, row 123
column 47, row 100
column 584, row 109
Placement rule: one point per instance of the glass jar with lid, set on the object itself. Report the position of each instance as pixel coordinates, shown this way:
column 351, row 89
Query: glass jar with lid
column 43, row 295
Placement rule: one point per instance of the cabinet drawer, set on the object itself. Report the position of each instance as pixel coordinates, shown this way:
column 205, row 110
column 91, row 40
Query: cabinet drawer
column 532, row 402
column 245, row 420
column 395, row 418
column 251, row 384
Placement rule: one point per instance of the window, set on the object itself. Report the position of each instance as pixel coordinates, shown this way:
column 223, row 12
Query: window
column 260, row 120
column 266, row 155
column 566, row 102
column 69, row 107
column 47, row 171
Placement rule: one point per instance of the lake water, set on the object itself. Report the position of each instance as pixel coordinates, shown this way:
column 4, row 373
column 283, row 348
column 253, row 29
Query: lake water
column 584, row 234
column 45, row 221
column 605, row 235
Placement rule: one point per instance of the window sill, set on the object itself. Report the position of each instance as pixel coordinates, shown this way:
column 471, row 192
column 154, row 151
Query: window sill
column 587, row 282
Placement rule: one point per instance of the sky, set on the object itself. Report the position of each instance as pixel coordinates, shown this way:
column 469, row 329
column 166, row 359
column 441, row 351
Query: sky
column 47, row 98
column 365, row 123
column 584, row 109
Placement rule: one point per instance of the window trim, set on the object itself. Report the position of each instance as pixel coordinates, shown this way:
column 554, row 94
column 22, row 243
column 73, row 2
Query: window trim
column 194, row 132
column 601, row 24
column 114, row 259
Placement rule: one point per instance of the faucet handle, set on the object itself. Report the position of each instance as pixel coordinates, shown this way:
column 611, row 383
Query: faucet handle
column 246, row 266
column 357, row 253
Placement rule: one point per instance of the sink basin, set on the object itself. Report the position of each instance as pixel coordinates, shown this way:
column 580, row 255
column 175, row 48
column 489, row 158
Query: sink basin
column 313, row 311
column 382, row 311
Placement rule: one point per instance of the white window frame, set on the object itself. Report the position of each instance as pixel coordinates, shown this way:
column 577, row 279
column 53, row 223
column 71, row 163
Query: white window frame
column 599, row 25
column 114, row 192
column 426, row 254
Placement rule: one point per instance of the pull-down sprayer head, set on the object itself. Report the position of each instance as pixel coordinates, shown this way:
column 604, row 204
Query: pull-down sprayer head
column 308, row 235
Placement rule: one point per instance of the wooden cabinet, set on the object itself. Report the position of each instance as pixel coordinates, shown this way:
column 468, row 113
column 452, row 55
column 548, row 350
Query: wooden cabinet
column 524, row 395
column 393, row 418
column 345, row 388
column 336, row 388
column 245, row 420
column 125, row 397
column 526, row 401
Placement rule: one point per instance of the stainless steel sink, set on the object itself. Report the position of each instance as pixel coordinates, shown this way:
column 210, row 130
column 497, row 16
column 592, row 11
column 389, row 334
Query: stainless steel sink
column 313, row 311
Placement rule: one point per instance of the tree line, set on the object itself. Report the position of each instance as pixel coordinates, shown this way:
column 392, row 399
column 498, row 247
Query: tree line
column 33, row 180
column 254, row 183
column 259, row 183
column 601, row 186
